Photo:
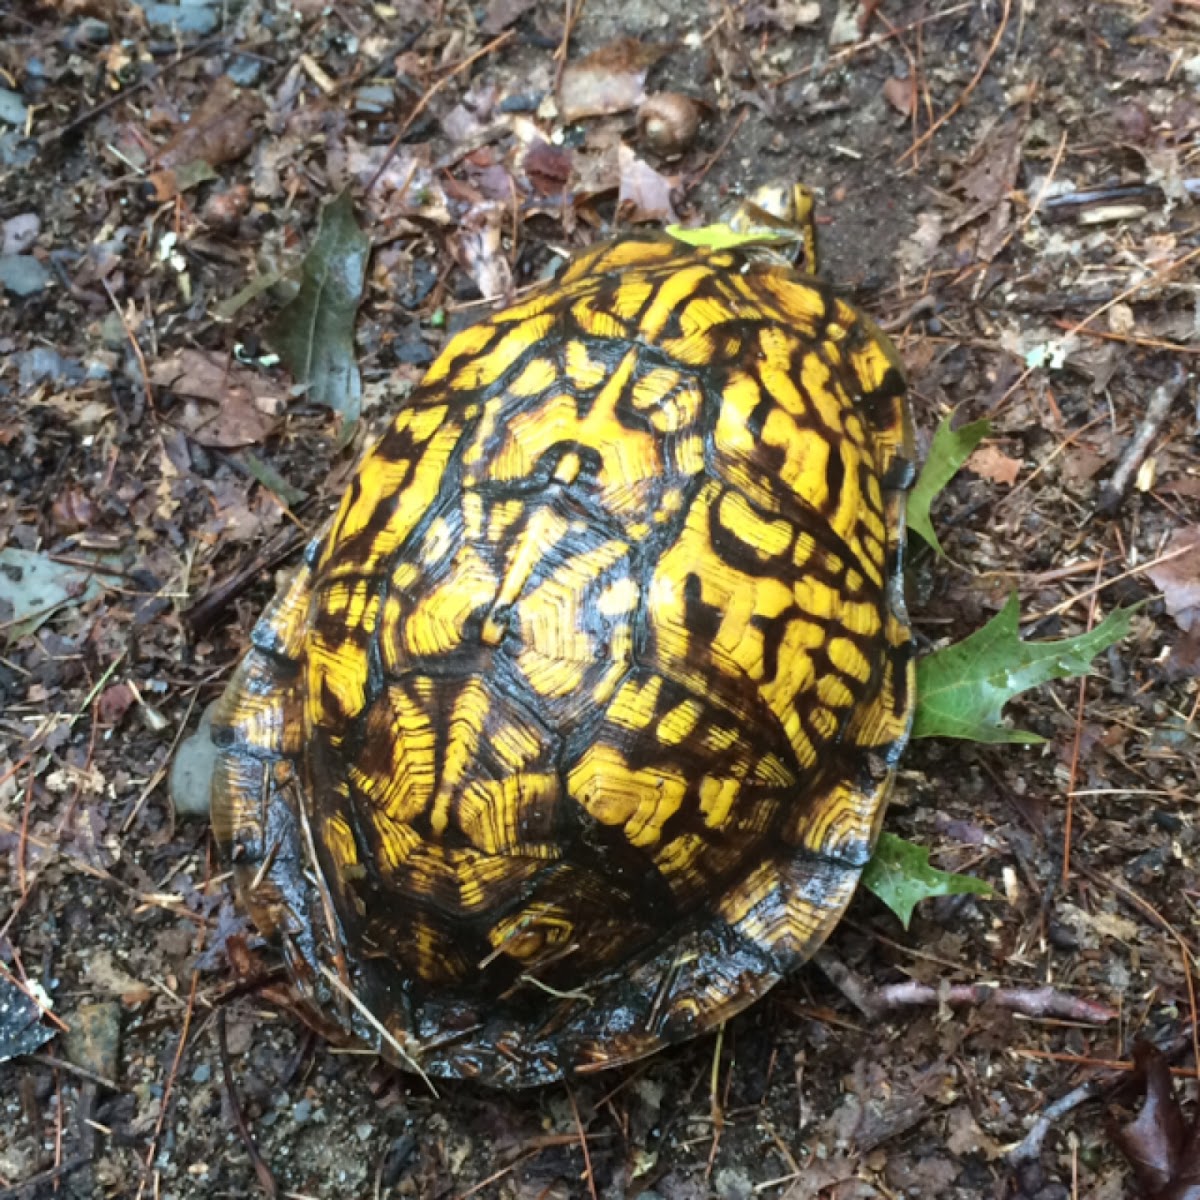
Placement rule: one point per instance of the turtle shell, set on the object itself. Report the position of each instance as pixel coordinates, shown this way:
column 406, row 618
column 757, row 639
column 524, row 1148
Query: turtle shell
column 572, row 732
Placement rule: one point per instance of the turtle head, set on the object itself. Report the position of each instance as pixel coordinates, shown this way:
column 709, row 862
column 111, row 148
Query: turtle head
column 777, row 218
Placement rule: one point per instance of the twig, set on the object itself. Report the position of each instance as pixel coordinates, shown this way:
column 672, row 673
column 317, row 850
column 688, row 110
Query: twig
column 1030, row 1146
column 1031, row 1002
column 266, row 1180
column 1077, row 744
column 164, row 1105
column 35, row 1185
column 61, row 1064
column 124, row 94
column 583, row 1142
column 423, row 103
column 962, row 96
column 570, row 17
column 694, row 180
column 200, row 615
column 878, row 39
column 1128, row 339
column 1113, row 492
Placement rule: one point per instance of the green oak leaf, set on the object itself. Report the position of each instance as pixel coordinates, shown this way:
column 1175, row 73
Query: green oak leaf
column 962, row 690
column 725, row 237
column 314, row 333
column 948, row 451
column 900, row 875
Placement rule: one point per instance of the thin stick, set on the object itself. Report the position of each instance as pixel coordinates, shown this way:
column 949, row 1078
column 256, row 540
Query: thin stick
column 423, row 103
column 141, row 84
column 1069, row 818
column 583, row 1142
column 266, row 1180
column 1114, row 491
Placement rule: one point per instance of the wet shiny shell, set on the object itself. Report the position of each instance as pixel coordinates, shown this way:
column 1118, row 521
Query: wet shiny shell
column 572, row 733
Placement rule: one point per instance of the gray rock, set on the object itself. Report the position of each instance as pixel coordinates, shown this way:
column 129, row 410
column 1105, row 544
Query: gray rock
column 42, row 363
column 192, row 770
column 22, row 274
column 191, row 18
column 374, row 99
column 12, row 108
column 16, row 150
column 91, row 31
column 19, row 233
column 245, row 70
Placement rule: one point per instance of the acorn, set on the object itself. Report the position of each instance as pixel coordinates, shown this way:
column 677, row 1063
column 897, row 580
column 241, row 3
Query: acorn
column 667, row 123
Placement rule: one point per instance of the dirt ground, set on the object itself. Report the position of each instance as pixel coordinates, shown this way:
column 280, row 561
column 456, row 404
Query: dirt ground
column 1035, row 259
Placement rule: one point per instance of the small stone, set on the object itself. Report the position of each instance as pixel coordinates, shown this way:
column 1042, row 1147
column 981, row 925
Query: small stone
column 19, row 233
column 22, row 274
column 43, row 363
column 192, row 770
column 94, row 1040
column 202, row 1074
column 12, row 108
column 190, row 18
column 416, row 353
column 374, row 99
column 245, row 70
column 91, row 31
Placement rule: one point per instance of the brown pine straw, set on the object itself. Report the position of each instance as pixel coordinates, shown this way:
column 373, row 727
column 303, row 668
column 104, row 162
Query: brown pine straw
column 966, row 92
column 1102, row 1064
column 1069, row 817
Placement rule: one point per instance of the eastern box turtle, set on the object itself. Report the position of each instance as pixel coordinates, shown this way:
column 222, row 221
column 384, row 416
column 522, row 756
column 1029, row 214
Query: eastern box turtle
column 571, row 734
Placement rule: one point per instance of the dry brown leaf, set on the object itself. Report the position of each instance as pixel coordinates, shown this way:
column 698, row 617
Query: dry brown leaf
column 990, row 462
column 220, row 130
column 610, row 80
column 1178, row 578
column 480, row 252
column 247, row 406
column 500, row 14
column 645, row 194
column 784, row 15
column 548, row 168
column 901, row 94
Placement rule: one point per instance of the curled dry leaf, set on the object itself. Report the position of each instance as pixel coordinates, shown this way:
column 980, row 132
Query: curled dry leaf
column 246, row 405
column 645, row 195
column 1178, row 577
column 500, row 14
column 610, row 80
column 479, row 249
column 1163, row 1152
column 548, row 168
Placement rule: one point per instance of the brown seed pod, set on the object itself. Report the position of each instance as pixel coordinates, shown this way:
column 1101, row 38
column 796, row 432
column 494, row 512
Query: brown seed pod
column 668, row 122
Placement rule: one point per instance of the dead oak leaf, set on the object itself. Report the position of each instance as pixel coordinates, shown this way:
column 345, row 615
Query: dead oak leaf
column 1163, row 1152
column 901, row 94
column 990, row 462
column 1177, row 577
column 246, row 406
column 221, row 130
column 609, row 80
column 644, row 193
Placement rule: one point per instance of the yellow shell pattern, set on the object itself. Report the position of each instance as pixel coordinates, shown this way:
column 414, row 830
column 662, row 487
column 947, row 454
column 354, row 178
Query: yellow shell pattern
column 572, row 733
